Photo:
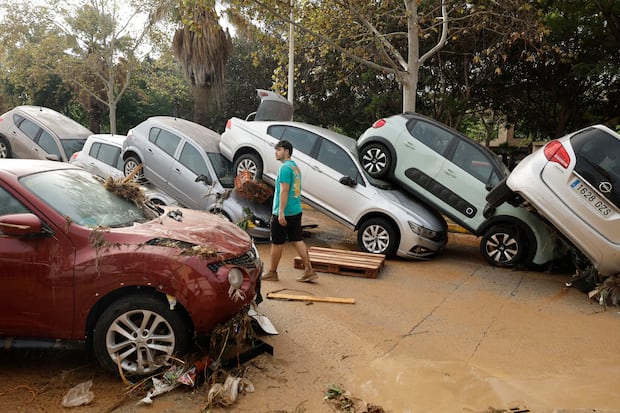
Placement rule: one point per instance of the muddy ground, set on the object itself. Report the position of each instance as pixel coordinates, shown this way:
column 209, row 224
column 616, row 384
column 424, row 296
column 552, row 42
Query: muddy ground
column 448, row 335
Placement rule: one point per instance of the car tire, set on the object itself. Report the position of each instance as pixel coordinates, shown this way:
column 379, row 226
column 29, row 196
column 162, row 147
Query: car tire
column 378, row 236
column 503, row 245
column 376, row 159
column 249, row 162
column 143, row 331
column 130, row 164
column 5, row 148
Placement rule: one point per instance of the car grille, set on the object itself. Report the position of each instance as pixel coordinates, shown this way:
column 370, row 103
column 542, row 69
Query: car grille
column 248, row 260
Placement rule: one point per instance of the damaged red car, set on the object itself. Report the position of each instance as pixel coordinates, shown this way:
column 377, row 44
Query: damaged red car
column 91, row 264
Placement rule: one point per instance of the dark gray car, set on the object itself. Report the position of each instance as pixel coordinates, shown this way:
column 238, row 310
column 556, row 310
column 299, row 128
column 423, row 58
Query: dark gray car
column 35, row 132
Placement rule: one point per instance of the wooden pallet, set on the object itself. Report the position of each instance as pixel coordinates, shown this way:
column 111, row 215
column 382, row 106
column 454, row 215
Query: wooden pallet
column 353, row 263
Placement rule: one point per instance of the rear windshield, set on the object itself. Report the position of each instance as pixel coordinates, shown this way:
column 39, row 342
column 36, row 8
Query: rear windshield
column 598, row 161
column 274, row 110
column 600, row 148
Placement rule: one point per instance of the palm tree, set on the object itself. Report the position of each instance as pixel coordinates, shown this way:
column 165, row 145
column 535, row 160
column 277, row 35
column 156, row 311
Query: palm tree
column 202, row 48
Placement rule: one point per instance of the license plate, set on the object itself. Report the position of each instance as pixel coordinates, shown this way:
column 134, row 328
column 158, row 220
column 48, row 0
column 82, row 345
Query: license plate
column 591, row 197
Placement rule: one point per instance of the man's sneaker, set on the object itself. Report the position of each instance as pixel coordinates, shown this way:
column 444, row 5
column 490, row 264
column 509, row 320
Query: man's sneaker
column 270, row 276
column 309, row 276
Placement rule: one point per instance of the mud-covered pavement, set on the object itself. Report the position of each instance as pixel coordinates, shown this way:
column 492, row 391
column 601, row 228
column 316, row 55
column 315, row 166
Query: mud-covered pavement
column 448, row 335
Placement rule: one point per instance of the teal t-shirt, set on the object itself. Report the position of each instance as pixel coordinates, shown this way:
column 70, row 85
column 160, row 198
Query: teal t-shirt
column 289, row 173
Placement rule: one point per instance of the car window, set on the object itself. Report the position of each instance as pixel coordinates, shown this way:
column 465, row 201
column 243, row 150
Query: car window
column 473, row 160
column 72, row 146
column 28, row 127
column 192, row 160
column 432, row 136
column 336, row 158
column 10, row 205
column 167, row 141
column 302, row 140
column 47, row 142
column 108, row 154
column 224, row 169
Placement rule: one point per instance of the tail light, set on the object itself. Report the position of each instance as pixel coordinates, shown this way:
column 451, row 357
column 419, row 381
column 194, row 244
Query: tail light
column 379, row 123
column 555, row 152
column 74, row 156
column 228, row 123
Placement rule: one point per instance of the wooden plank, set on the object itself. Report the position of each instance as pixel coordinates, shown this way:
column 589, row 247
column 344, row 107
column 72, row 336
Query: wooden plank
column 343, row 262
column 296, row 297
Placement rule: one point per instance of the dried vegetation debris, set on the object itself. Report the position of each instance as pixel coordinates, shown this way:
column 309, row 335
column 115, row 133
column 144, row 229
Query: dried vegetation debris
column 250, row 188
column 341, row 400
column 608, row 292
column 127, row 189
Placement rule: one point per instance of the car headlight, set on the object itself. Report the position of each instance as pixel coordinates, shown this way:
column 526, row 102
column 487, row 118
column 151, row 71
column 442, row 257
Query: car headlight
column 422, row 231
column 255, row 253
column 235, row 277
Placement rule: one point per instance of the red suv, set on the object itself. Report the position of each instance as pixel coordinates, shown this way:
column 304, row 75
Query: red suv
column 92, row 264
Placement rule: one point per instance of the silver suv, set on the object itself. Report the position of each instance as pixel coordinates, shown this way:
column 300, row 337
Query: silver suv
column 453, row 173
column 183, row 159
column 35, row 132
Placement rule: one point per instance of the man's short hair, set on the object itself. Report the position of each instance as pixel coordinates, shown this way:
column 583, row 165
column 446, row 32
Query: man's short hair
column 285, row 145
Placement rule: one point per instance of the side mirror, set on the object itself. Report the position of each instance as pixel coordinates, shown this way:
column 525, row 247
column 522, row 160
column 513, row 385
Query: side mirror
column 20, row 225
column 348, row 181
column 204, row 178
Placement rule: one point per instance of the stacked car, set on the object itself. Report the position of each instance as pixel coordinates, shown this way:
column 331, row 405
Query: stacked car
column 574, row 183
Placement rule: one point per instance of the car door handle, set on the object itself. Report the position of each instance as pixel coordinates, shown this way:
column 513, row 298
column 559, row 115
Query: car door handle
column 316, row 168
column 177, row 170
column 450, row 173
column 410, row 145
column 150, row 150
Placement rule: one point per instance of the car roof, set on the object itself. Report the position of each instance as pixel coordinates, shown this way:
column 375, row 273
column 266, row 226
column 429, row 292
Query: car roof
column 342, row 140
column 63, row 126
column 116, row 140
column 207, row 139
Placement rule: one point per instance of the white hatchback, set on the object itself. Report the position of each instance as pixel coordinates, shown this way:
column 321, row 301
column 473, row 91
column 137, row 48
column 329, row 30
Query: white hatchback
column 574, row 182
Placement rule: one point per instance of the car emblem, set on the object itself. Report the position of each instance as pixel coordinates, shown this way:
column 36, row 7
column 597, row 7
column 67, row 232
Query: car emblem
column 605, row 187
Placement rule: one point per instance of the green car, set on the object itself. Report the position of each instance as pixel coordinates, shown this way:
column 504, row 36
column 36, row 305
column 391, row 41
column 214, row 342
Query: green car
column 454, row 174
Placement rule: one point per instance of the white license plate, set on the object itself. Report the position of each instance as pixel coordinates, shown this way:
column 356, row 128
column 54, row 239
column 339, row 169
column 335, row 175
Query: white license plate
column 591, row 197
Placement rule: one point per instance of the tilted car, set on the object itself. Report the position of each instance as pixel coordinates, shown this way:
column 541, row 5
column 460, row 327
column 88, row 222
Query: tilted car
column 84, row 267
column 453, row 173
column 574, row 183
column 34, row 132
column 175, row 153
column 101, row 155
column 387, row 220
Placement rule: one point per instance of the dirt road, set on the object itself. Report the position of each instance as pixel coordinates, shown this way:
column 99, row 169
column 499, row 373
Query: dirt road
column 448, row 335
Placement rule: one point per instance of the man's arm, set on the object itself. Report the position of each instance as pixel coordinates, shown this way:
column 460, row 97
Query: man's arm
column 284, row 188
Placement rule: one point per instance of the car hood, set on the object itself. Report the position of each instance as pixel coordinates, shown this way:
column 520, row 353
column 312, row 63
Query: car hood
column 186, row 228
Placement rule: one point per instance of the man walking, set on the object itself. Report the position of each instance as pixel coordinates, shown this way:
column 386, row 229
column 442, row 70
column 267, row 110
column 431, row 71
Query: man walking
column 286, row 215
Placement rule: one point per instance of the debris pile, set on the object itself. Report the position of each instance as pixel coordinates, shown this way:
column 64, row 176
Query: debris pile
column 220, row 369
column 342, row 401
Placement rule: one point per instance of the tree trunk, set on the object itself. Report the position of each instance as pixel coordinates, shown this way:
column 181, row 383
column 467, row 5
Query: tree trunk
column 203, row 99
column 409, row 77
